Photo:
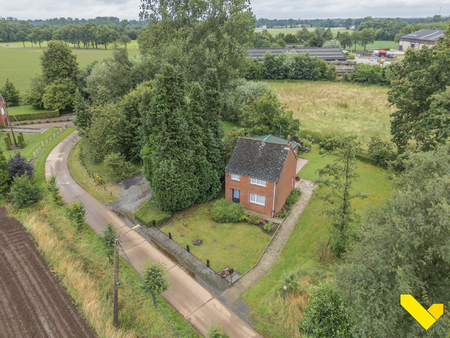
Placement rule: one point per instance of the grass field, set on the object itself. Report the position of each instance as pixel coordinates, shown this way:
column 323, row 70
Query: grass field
column 300, row 250
column 33, row 141
column 21, row 64
column 337, row 107
column 234, row 245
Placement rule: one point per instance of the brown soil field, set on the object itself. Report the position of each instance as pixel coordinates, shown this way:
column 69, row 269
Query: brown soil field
column 33, row 303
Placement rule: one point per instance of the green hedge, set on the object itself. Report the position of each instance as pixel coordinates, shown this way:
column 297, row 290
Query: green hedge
column 35, row 116
column 149, row 212
column 225, row 211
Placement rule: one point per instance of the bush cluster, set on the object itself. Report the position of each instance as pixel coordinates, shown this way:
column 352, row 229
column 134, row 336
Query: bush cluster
column 225, row 211
column 290, row 65
column 254, row 219
column 372, row 74
column 381, row 152
column 293, row 196
column 25, row 191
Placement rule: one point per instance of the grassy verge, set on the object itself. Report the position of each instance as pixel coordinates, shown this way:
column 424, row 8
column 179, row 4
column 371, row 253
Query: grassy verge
column 26, row 109
column 107, row 193
column 234, row 245
column 337, row 107
column 300, row 251
column 79, row 260
column 34, row 141
column 149, row 212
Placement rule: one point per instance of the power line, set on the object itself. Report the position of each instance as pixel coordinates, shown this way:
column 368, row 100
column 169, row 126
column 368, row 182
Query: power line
column 94, row 218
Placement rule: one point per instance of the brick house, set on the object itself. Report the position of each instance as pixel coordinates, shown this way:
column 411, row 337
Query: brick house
column 261, row 173
column 3, row 115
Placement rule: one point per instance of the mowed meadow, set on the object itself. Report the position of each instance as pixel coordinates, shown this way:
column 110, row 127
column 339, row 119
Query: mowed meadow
column 330, row 107
column 21, row 64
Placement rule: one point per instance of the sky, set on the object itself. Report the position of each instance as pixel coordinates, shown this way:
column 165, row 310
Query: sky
column 271, row 9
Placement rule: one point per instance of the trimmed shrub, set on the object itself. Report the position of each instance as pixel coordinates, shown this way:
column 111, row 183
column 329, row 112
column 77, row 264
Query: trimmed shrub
column 225, row 211
column 19, row 165
column 7, row 143
column 293, row 196
column 25, row 191
column 39, row 115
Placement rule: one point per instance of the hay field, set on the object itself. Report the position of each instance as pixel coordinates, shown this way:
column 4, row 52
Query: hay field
column 20, row 64
column 337, row 107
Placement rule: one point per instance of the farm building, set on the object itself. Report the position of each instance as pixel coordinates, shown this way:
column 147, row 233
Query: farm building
column 420, row 38
column 323, row 53
column 261, row 173
column 3, row 115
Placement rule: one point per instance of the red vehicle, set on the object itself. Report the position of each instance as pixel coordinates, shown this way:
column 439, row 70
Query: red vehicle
column 382, row 52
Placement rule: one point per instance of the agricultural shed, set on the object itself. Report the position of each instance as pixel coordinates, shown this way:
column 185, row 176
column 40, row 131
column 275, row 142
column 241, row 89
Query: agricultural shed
column 420, row 38
column 323, row 53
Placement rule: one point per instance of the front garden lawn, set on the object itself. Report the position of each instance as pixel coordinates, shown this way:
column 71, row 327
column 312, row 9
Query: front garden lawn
column 234, row 245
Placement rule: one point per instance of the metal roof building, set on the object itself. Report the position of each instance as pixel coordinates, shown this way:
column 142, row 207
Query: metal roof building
column 323, row 53
column 420, row 38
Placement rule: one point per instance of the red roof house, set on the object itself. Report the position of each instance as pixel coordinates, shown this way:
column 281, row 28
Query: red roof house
column 262, row 173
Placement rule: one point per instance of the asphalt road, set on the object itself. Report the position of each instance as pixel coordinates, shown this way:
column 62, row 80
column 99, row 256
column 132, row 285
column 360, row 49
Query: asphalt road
column 188, row 297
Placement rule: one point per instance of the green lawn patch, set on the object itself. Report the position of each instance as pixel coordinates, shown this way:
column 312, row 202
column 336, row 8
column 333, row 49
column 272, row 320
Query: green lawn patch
column 33, row 142
column 300, row 250
column 149, row 212
column 234, row 245
column 27, row 112
column 228, row 126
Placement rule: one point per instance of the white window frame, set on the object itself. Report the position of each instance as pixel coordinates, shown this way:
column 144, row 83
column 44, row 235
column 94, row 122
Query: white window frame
column 235, row 177
column 255, row 201
column 260, row 183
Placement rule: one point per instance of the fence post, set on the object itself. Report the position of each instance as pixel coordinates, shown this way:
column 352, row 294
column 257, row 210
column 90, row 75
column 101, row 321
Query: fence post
column 207, row 263
column 187, row 247
column 170, row 235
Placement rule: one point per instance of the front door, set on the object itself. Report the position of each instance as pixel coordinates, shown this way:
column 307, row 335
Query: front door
column 235, row 195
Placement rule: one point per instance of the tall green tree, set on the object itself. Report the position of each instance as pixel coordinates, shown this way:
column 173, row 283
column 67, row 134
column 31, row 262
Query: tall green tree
column 403, row 248
column 416, row 84
column 367, row 35
column 266, row 115
column 339, row 177
column 58, row 62
column 169, row 161
column 345, row 39
column 198, row 34
column 10, row 93
column 356, row 38
column 209, row 185
column 5, row 179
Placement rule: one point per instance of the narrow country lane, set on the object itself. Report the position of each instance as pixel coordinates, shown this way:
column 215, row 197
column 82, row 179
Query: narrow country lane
column 186, row 295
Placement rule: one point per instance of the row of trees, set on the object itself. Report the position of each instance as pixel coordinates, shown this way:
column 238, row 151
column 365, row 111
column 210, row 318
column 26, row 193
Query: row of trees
column 290, row 65
column 87, row 35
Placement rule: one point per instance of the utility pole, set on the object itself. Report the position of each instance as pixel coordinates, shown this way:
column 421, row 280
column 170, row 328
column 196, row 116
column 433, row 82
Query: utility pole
column 116, row 277
column 116, row 284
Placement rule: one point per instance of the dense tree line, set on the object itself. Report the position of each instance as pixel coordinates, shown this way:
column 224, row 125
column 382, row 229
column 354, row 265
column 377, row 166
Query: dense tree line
column 290, row 65
column 98, row 32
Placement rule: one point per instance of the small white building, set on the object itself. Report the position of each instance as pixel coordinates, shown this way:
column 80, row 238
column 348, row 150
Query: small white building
column 420, row 38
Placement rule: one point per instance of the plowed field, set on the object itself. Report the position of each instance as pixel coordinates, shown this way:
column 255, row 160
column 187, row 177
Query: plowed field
column 33, row 303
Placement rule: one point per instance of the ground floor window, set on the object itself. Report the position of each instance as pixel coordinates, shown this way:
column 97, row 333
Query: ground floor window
column 258, row 199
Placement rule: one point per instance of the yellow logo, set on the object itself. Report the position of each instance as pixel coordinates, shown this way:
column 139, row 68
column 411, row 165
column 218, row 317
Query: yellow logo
column 426, row 318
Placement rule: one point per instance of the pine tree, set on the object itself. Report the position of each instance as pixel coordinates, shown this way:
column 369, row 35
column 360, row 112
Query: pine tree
column 174, row 184
column 212, row 128
column 208, row 179
column 10, row 93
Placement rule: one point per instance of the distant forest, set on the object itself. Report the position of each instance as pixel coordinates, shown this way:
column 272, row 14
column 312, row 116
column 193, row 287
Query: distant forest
column 105, row 30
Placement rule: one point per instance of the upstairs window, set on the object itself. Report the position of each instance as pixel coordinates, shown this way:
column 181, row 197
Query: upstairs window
column 255, row 181
column 235, row 177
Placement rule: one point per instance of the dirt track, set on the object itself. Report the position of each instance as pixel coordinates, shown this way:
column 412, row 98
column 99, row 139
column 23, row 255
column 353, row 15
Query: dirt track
column 33, row 303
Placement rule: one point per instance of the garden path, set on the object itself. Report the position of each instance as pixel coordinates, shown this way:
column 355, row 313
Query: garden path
column 270, row 254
